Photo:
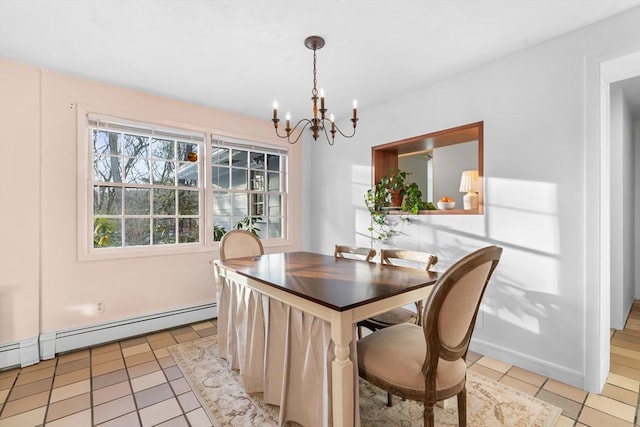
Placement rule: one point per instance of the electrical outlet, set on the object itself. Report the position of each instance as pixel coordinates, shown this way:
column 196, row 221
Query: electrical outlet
column 100, row 307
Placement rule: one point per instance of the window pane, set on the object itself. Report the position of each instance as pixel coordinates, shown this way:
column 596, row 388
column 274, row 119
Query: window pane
column 257, row 204
column 107, row 200
column 164, row 231
column 239, row 158
column 184, row 148
column 219, row 156
column 221, row 204
column 136, row 231
column 188, row 174
column 162, row 149
column 256, row 160
column 240, row 205
column 257, row 181
column 107, row 233
column 136, row 170
column 274, row 181
column 164, row 202
column 136, row 146
column 220, row 227
column 273, row 162
column 107, row 142
column 275, row 228
column 163, row 173
column 220, row 177
column 275, row 205
column 189, row 230
column 239, row 179
column 107, row 169
column 188, row 203
column 137, row 201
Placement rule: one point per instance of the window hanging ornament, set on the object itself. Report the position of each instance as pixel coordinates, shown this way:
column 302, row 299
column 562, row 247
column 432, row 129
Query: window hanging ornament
column 318, row 123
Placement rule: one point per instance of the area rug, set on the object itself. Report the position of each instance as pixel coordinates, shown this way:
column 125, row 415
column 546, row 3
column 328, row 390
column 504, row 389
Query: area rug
column 220, row 392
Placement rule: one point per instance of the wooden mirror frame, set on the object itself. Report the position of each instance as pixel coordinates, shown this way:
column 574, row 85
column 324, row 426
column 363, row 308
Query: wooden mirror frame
column 385, row 157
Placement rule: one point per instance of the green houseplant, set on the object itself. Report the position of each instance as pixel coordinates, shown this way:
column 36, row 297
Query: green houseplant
column 393, row 191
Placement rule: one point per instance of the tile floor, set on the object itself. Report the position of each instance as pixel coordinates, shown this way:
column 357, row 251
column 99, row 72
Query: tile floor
column 135, row 382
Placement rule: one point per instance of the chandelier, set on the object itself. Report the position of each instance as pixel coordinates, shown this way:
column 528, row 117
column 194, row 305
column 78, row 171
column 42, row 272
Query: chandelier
column 318, row 123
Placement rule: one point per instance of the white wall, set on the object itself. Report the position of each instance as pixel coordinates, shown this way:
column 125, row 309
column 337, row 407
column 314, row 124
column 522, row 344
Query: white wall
column 535, row 136
column 636, row 191
column 44, row 288
column 623, row 200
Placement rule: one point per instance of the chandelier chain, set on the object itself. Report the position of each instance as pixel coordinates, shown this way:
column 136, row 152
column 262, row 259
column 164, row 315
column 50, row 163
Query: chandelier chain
column 314, row 91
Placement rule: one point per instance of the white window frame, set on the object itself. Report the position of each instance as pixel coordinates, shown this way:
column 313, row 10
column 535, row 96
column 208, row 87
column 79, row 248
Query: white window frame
column 86, row 250
column 252, row 146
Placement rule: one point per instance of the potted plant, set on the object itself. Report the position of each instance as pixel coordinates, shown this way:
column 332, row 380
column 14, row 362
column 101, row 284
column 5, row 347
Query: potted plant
column 380, row 199
column 396, row 183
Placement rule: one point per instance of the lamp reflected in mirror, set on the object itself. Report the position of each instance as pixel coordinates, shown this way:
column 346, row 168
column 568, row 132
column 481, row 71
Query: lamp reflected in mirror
column 469, row 183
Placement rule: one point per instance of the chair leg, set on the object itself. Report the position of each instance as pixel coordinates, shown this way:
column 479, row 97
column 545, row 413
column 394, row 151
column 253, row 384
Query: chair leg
column 389, row 399
column 462, row 407
column 429, row 418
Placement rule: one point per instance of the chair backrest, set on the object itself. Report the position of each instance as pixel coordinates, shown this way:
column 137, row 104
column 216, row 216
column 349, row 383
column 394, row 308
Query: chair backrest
column 451, row 309
column 240, row 243
column 357, row 252
column 424, row 259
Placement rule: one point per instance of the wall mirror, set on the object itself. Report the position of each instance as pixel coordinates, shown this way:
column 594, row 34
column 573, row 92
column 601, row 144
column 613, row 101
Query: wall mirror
column 436, row 162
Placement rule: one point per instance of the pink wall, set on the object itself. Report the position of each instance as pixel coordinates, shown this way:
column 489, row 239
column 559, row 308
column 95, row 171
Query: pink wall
column 19, row 201
column 42, row 258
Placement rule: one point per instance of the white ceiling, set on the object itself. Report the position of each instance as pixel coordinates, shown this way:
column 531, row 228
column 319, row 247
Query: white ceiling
column 239, row 55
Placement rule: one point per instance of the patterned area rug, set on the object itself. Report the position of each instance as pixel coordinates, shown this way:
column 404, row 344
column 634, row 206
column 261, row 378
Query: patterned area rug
column 221, row 394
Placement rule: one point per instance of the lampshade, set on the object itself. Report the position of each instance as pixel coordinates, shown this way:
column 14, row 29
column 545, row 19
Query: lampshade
column 469, row 181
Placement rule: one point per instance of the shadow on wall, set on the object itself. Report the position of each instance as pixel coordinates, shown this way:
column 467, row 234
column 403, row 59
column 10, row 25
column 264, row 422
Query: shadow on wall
column 525, row 310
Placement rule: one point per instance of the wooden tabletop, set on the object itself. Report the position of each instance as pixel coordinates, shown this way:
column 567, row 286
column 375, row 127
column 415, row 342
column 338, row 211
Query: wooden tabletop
column 338, row 283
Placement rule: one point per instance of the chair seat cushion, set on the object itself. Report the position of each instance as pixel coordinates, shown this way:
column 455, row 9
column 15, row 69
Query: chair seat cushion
column 394, row 317
column 395, row 355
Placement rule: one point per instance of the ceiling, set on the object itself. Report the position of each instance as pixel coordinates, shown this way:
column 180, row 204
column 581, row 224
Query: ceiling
column 239, row 55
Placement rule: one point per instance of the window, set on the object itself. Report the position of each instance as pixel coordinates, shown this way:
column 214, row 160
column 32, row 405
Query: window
column 146, row 186
column 151, row 186
column 248, row 189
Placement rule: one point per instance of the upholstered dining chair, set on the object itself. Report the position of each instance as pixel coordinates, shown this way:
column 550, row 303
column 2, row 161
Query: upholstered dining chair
column 240, row 243
column 343, row 251
column 427, row 363
column 414, row 259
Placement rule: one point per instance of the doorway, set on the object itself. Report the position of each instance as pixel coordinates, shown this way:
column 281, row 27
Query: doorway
column 603, row 165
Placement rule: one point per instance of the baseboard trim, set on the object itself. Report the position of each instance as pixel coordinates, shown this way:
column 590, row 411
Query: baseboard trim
column 530, row 363
column 52, row 343
column 19, row 354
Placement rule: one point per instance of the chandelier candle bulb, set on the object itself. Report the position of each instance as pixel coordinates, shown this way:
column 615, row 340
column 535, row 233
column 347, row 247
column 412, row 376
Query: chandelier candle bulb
column 355, row 108
column 322, row 99
column 275, row 110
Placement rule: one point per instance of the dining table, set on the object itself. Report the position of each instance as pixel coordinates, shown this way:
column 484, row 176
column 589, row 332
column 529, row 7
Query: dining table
column 287, row 322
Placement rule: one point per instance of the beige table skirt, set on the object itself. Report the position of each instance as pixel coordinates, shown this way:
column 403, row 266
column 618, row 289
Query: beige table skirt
column 280, row 351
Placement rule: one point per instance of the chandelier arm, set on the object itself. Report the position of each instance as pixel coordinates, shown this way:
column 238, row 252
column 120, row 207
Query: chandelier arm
column 335, row 126
column 331, row 140
column 306, row 122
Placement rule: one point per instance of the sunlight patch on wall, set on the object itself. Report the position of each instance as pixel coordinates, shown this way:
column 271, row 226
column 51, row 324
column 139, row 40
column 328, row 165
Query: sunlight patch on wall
column 530, row 271
column 87, row 310
column 524, row 213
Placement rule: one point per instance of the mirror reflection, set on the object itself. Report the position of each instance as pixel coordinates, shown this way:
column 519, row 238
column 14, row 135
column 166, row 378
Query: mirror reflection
column 436, row 162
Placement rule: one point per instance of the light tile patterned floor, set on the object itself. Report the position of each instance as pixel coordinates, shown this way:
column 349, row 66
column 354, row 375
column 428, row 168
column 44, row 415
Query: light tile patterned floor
column 135, row 382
